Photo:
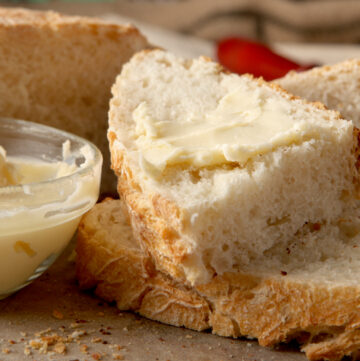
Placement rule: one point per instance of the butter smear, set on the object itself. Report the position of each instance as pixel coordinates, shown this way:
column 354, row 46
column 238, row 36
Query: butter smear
column 245, row 123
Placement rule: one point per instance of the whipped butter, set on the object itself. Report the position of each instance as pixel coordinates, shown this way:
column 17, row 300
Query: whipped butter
column 245, row 123
column 24, row 170
column 7, row 172
column 41, row 203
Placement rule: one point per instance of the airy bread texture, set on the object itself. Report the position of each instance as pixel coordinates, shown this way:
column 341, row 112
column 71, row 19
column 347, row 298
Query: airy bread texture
column 58, row 70
column 315, row 301
column 199, row 222
column 336, row 86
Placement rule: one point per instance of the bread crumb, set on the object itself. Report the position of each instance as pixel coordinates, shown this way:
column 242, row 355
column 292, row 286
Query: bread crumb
column 117, row 356
column 60, row 348
column 40, row 333
column 23, row 334
column 84, row 348
column 96, row 356
column 57, row 314
column 35, row 344
column 75, row 325
column 117, row 347
column 6, row 350
column 125, row 329
column 77, row 334
column 50, row 340
column 101, row 313
column 96, row 340
column 27, row 351
column 188, row 336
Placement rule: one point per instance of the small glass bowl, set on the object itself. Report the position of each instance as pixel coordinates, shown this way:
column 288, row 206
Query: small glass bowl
column 37, row 220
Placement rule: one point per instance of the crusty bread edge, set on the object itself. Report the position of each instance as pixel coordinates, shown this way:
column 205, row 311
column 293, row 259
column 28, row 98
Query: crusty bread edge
column 324, row 320
column 155, row 206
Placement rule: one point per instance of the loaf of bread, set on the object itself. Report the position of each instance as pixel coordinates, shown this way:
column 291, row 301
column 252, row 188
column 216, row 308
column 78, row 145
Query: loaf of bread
column 336, row 86
column 224, row 173
column 310, row 294
column 58, row 70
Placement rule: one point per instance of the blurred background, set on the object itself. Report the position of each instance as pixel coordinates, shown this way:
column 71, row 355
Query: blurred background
column 264, row 20
column 310, row 32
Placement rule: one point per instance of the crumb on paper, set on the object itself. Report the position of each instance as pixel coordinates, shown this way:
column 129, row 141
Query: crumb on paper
column 117, row 356
column 96, row 356
column 27, row 351
column 43, row 332
column 78, row 333
column 117, row 347
column 60, row 348
column 75, row 325
column 96, row 340
column 188, row 336
column 84, row 348
column 35, row 344
column 6, row 350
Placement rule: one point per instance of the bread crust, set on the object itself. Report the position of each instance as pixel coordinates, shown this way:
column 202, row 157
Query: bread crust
column 324, row 319
column 334, row 85
column 128, row 276
column 272, row 308
column 58, row 70
column 167, row 217
column 21, row 18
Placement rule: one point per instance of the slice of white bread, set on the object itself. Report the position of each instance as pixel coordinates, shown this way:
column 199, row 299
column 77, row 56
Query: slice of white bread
column 202, row 221
column 336, row 86
column 58, row 70
column 316, row 301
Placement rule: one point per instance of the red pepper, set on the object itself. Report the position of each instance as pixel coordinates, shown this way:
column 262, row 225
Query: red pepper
column 244, row 56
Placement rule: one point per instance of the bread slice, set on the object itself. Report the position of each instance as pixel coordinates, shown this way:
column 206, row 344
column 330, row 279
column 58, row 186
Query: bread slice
column 201, row 211
column 315, row 301
column 336, row 86
column 58, row 70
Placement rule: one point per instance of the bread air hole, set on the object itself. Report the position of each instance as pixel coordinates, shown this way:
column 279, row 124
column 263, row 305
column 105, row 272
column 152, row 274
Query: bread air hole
column 225, row 247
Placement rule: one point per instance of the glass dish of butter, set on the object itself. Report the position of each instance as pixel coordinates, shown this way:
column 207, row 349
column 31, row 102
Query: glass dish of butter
column 48, row 180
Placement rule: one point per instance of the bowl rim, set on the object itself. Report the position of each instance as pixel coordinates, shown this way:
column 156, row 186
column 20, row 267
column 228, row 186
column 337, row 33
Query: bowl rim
column 94, row 160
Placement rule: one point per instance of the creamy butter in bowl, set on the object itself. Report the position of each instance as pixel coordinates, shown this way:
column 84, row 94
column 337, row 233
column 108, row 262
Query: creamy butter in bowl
column 48, row 180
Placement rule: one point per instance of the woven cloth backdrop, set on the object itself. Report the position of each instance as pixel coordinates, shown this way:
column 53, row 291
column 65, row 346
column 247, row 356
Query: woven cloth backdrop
column 265, row 20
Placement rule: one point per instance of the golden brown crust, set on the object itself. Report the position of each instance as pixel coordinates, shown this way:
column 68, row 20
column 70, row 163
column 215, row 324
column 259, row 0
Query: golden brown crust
column 58, row 71
column 23, row 19
column 166, row 217
column 272, row 309
column 324, row 319
column 128, row 276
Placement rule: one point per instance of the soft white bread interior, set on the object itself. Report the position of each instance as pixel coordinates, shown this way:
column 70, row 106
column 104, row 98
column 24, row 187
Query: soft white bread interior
column 336, row 86
column 199, row 217
column 316, row 301
column 58, row 70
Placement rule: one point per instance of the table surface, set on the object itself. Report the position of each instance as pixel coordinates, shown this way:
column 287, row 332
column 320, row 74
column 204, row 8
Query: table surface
column 78, row 326
column 53, row 319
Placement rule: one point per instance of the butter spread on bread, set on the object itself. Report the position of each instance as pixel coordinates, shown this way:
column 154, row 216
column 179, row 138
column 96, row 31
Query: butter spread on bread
column 202, row 220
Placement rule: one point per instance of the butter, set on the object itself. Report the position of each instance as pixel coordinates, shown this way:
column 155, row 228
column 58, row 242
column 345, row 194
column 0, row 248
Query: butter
column 36, row 224
column 245, row 123
column 7, row 172
column 17, row 171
